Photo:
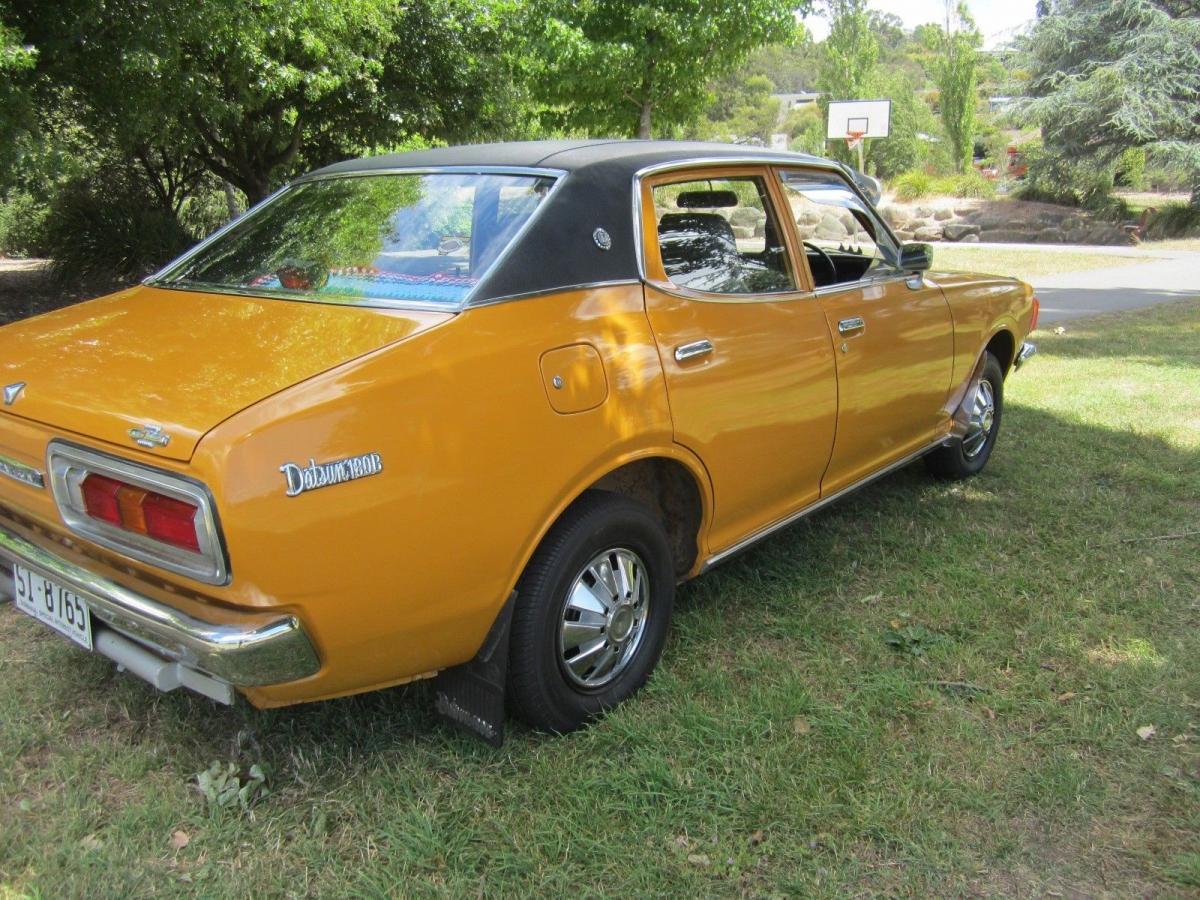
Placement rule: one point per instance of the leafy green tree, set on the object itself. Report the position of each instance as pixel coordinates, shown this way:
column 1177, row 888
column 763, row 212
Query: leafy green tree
column 17, row 61
column 254, row 90
column 956, row 74
column 850, row 57
column 625, row 66
column 1108, row 75
column 745, row 110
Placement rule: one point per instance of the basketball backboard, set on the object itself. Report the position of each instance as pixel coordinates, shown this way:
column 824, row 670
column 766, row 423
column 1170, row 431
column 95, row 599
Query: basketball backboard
column 870, row 118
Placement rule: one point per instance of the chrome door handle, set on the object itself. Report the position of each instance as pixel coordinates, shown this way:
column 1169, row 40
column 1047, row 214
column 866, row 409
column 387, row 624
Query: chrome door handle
column 849, row 326
column 693, row 350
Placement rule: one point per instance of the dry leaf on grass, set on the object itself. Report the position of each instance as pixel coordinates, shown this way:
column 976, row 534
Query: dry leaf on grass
column 1146, row 732
column 800, row 725
column 699, row 859
column 180, row 839
column 1067, row 695
column 757, row 838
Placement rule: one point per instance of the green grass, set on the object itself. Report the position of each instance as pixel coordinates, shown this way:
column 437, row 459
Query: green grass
column 928, row 689
column 1024, row 263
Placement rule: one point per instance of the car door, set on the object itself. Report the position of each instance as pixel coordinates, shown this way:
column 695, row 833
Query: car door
column 745, row 350
column 892, row 330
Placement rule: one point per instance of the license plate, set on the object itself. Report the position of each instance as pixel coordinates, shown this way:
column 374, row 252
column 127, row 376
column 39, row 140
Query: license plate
column 54, row 605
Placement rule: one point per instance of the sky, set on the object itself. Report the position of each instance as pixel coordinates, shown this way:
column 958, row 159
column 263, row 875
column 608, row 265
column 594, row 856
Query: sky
column 997, row 19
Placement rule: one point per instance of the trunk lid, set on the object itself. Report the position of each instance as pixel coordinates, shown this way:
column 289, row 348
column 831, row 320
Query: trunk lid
column 180, row 361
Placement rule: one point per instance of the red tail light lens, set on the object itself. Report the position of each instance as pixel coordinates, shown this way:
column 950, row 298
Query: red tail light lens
column 171, row 520
column 140, row 511
column 100, row 498
column 1037, row 308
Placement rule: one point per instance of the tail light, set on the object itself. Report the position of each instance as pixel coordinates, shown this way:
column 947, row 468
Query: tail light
column 140, row 511
column 145, row 513
column 1037, row 308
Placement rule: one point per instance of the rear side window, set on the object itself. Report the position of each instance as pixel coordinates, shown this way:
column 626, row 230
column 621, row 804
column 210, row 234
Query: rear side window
column 719, row 235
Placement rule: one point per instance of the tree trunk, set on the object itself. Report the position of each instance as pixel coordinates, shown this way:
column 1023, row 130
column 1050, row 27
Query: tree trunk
column 643, row 131
column 231, row 201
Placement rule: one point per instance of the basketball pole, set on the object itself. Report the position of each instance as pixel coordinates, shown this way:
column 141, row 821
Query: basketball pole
column 860, row 155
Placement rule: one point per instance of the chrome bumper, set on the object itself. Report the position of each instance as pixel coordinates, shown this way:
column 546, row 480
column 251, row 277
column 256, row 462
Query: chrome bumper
column 251, row 650
column 1027, row 350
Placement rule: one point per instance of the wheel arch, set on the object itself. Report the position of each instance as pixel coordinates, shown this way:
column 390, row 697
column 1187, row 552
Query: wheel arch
column 1003, row 345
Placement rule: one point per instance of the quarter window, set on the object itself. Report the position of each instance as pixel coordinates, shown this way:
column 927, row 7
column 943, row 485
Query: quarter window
column 719, row 235
column 843, row 241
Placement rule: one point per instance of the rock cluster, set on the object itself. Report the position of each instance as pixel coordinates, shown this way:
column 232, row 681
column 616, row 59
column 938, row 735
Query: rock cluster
column 1002, row 221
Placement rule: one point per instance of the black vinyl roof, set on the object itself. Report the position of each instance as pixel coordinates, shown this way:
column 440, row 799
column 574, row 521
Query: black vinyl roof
column 558, row 251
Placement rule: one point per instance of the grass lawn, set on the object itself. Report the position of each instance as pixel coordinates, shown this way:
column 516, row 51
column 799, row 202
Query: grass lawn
column 1024, row 263
column 928, row 689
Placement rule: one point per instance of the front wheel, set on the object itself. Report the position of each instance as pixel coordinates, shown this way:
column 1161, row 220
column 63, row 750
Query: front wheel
column 964, row 457
column 592, row 613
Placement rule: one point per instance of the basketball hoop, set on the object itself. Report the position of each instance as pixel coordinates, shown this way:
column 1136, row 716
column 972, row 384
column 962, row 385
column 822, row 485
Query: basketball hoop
column 854, row 139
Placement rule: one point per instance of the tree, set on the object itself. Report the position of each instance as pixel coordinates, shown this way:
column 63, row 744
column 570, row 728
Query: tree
column 851, row 53
column 1108, row 75
column 17, row 61
column 253, row 90
column 623, row 66
column 956, row 74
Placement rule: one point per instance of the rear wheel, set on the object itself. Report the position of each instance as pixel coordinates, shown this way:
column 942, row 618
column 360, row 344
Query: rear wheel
column 592, row 613
column 962, row 458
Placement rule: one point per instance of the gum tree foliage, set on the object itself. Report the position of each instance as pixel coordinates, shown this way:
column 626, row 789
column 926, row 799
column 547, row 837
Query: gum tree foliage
column 850, row 57
column 1108, row 75
column 17, row 61
column 625, row 67
column 253, row 90
column 955, row 70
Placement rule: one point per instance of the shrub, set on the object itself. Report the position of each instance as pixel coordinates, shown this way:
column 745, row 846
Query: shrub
column 23, row 225
column 913, row 186
column 1173, row 221
column 968, row 184
column 103, row 227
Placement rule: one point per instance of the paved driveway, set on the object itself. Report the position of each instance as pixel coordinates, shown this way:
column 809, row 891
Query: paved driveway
column 1160, row 276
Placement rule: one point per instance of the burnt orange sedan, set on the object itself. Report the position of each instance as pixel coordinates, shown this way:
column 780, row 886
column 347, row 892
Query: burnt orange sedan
column 474, row 413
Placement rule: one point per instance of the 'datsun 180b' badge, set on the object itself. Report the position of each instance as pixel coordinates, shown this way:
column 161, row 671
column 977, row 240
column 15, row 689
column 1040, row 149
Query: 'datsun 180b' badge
column 318, row 475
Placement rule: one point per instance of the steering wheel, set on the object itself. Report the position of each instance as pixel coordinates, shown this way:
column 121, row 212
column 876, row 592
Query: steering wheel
column 826, row 258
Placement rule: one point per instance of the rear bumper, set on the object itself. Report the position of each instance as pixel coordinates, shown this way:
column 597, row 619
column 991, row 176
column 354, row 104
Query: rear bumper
column 1023, row 355
column 249, row 650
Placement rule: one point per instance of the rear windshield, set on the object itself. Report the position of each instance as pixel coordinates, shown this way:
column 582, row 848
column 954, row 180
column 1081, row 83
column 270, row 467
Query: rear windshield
column 372, row 240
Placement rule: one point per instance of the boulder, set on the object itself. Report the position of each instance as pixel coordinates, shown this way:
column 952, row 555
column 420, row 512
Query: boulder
column 959, row 231
column 928, row 233
column 894, row 216
column 964, row 211
column 743, row 232
column 746, row 216
column 943, row 214
column 922, row 212
column 1005, row 236
column 969, row 239
column 904, row 235
column 808, row 217
column 1052, row 235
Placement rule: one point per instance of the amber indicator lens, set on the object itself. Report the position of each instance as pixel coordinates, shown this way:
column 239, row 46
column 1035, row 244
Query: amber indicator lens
column 140, row 511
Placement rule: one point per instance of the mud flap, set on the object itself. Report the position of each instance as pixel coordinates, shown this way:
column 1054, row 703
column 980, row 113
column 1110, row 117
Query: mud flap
column 471, row 696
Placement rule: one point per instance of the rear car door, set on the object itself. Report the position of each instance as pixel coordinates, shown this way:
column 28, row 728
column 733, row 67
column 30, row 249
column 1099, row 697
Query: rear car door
column 892, row 330
column 745, row 350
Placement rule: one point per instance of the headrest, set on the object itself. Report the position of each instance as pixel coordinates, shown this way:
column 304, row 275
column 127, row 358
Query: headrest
column 706, row 199
column 690, row 224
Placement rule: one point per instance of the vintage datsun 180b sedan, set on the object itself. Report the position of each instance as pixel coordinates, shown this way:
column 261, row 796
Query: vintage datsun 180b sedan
column 473, row 413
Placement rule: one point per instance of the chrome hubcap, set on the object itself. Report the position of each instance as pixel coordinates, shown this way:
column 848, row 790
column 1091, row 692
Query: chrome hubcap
column 981, row 420
column 603, row 618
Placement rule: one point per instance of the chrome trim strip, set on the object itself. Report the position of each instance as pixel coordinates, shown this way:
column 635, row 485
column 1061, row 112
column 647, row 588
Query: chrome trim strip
column 767, row 530
column 69, row 464
column 258, row 649
column 1027, row 351
column 566, row 288
column 483, row 169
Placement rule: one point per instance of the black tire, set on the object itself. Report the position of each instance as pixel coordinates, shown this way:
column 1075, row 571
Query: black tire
column 541, row 691
column 953, row 461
